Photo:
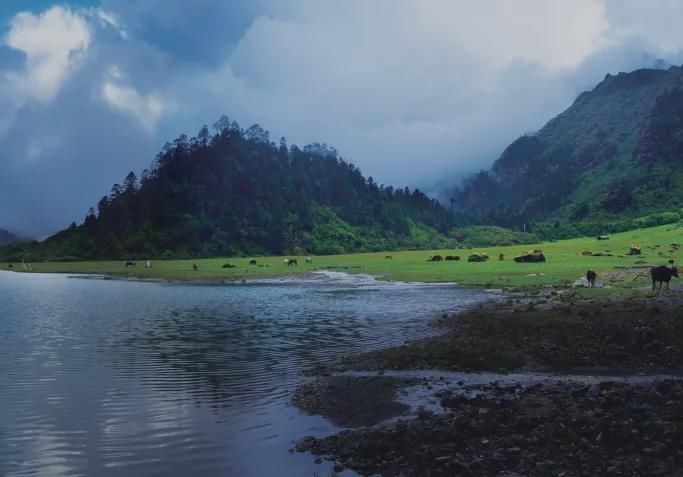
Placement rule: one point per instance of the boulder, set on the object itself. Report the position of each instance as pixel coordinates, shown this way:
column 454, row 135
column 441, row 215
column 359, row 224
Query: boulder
column 478, row 257
column 530, row 257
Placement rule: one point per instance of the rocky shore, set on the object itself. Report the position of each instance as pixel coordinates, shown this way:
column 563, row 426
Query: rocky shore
column 553, row 427
column 545, row 332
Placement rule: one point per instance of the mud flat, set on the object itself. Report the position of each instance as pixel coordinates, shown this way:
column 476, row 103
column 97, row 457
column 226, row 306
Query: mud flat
column 546, row 385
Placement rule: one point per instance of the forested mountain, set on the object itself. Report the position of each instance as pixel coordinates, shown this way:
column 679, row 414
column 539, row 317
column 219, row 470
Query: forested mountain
column 235, row 192
column 616, row 152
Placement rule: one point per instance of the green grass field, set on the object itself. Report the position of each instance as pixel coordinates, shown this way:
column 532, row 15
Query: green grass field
column 564, row 263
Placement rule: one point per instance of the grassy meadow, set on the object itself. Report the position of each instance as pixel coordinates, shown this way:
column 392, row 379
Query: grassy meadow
column 564, row 265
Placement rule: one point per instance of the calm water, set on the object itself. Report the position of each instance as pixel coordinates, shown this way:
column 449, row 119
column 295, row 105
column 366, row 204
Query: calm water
column 102, row 377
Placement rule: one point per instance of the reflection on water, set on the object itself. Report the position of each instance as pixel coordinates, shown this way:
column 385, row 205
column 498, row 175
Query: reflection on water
column 109, row 377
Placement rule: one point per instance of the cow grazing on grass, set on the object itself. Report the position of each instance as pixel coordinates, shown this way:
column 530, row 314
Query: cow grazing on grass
column 435, row 258
column 252, row 262
column 388, row 257
column 662, row 274
column 590, row 277
column 292, row 261
column 454, row 258
column 131, row 263
column 10, row 266
column 195, row 267
column 309, row 260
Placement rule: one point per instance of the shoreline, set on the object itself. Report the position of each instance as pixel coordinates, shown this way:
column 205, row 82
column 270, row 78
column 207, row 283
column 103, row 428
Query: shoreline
column 295, row 279
column 468, row 400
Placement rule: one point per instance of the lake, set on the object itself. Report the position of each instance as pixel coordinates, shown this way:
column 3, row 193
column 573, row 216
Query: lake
column 109, row 377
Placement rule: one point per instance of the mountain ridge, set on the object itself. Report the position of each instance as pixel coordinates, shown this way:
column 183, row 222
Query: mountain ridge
column 588, row 161
column 7, row 237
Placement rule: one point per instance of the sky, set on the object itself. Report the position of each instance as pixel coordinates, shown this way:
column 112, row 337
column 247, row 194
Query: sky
column 415, row 93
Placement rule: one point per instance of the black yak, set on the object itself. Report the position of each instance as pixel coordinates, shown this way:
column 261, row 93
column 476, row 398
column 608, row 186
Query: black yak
column 590, row 277
column 292, row 261
column 662, row 274
column 435, row 258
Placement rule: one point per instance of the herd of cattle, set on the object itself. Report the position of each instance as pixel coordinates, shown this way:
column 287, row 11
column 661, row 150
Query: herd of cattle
column 659, row 275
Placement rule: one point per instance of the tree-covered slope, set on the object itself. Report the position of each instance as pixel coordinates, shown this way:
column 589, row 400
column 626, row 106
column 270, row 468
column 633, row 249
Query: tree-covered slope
column 616, row 152
column 235, row 193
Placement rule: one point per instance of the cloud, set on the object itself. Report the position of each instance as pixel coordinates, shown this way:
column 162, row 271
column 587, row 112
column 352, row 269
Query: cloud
column 53, row 43
column 406, row 88
column 412, row 92
column 147, row 109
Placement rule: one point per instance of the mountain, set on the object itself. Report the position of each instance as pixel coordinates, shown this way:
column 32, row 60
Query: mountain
column 616, row 152
column 236, row 193
column 7, row 237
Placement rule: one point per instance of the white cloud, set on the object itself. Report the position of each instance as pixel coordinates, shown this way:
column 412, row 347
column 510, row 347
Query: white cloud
column 52, row 42
column 145, row 108
column 109, row 19
column 408, row 88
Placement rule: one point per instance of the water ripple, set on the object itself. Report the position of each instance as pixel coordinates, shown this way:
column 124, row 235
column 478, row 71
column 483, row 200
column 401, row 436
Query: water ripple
column 106, row 377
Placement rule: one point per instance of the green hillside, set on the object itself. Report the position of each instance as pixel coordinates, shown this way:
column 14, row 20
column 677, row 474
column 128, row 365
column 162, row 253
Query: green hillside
column 237, row 193
column 615, row 153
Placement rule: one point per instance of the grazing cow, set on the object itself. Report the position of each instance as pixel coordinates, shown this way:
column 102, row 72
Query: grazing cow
column 10, row 266
column 662, row 274
column 603, row 237
column 131, row 263
column 252, row 262
column 292, row 261
column 501, row 257
column 590, row 277
column 388, row 257
column 195, row 267
column 435, row 258
column 309, row 260
column 285, row 261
